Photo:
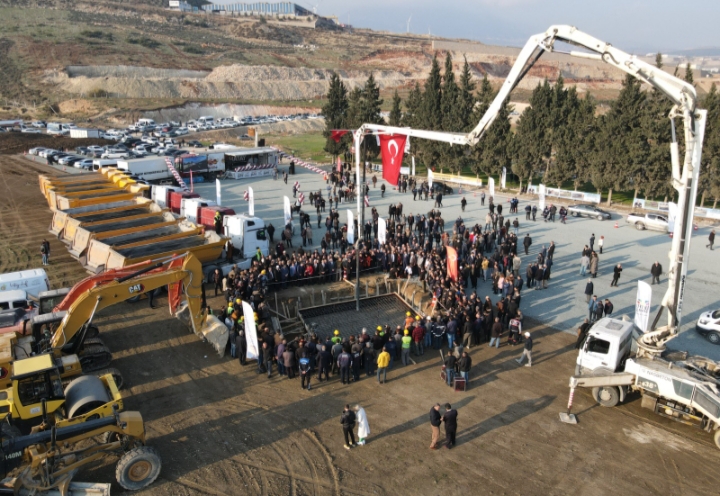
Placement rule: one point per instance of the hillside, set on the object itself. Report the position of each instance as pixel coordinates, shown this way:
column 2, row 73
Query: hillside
column 93, row 59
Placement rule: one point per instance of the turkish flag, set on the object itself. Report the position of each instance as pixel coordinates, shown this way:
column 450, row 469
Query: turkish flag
column 452, row 266
column 392, row 149
column 337, row 134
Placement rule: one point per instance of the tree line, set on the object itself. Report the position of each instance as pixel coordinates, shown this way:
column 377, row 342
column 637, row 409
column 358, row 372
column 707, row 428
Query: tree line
column 561, row 136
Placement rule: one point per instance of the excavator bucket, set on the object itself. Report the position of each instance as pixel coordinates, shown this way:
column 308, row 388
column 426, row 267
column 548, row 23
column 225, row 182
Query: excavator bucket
column 211, row 329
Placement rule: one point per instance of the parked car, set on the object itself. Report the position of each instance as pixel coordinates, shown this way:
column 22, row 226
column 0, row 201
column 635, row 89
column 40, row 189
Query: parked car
column 36, row 150
column 588, row 210
column 39, row 124
column 708, row 325
column 68, row 159
column 30, row 130
column 656, row 222
column 115, row 154
column 194, row 144
column 441, row 187
column 85, row 163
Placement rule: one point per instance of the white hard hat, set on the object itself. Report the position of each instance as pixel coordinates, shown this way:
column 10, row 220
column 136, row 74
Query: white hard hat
column 527, row 334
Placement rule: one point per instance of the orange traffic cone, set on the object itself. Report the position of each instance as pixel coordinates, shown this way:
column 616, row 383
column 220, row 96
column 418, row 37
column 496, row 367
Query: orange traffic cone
column 616, row 225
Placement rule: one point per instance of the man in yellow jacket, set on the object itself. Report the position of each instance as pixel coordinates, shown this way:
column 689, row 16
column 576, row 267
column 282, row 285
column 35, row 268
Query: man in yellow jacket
column 382, row 362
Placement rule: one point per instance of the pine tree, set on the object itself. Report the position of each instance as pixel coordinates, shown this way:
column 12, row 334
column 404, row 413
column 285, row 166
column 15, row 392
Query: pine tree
column 448, row 155
column 430, row 116
column 395, row 118
column 371, row 105
column 689, row 74
column 335, row 112
column 466, row 100
column 658, row 60
column 532, row 148
column 710, row 170
column 413, row 108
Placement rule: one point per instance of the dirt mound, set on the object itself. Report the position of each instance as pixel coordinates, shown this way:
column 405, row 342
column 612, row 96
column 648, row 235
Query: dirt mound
column 98, row 71
column 12, row 143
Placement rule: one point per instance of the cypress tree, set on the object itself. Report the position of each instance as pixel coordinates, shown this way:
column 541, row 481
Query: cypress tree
column 395, row 118
column 335, row 112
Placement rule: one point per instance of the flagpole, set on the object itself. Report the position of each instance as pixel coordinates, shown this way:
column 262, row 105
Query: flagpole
column 357, row 141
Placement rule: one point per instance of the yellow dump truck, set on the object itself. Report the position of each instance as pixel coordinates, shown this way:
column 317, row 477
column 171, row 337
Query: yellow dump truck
column 92, row 213
column 90, row 198
column 111, row 221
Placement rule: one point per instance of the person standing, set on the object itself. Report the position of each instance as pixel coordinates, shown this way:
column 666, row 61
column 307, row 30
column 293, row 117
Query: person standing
column 592, row 241
column 594, row 262
column 584, row 262
column 450, row 362
column 656, row 272
column 344, row 363
column 324, row 364
column 711, row 239
column 527, row 242
column 582, row 334
column 450, row 421
column 464, row 366
column 527, row 352
column 347, row 420
column 592, row 307
column 495, row 333
column 616, row 275
column 267, row 357
column 601, row 242
column 589, row 290
column 482, row 204
column 463, row 203
column 305, row 367
column 43, row 252
column 608, row 308
column 363, row 425
column 241, row 346
column 406, row 344
column 435, row 421
column 383, row 361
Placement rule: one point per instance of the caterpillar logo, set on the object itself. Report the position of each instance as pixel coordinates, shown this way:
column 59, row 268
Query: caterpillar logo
column 136, row 288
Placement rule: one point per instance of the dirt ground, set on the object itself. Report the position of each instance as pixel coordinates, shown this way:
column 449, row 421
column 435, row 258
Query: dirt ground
column 224, row 430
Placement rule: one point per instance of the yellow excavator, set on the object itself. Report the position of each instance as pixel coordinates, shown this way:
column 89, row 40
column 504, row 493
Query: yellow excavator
column 56, row 352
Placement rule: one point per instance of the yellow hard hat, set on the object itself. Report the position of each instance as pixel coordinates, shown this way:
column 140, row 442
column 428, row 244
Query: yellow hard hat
column 379, row 328
column 337, row 333
column 407, row 313
column 230, row 304
column 238, row 301
column 407, row 332
column 417, row 317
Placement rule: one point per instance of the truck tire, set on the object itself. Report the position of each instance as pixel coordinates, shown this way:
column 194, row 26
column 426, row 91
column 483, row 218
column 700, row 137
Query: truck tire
column 138, row 468
column 606, row 396
column 717, row 438
column 639, row 226
column 600, row 217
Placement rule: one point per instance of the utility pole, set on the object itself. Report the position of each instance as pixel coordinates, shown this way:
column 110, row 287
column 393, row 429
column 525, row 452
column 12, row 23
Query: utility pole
column 361, row 155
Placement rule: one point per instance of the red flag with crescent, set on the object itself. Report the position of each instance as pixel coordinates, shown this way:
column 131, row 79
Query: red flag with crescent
column 337, row 134
column 392, row 149
column 452, row 266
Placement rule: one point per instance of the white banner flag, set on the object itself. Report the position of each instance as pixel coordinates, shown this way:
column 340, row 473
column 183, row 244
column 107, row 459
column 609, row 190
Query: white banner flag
column 413, row 161
column 351, row 228
column 672, row 216
column 430, row 178
column 251, row 199
column 382, row 230
column 287, row 212
column 642, row 305
column 218, row 192
column 502, row 178
column 541, row 197
column 491, row 186
column 253, row 353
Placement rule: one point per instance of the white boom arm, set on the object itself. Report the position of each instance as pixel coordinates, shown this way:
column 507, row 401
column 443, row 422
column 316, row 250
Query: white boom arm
column 683, row 96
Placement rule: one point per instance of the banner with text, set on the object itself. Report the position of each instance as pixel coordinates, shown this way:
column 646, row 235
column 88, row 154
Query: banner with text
column 642, row 305
column 541, row 197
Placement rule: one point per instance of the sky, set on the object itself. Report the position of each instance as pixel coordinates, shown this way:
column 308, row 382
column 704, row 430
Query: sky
column 637, row 26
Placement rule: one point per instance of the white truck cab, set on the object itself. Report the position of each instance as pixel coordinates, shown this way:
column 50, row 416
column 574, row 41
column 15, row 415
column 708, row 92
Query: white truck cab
column 247, row 234
column 607, row 347
column 190, row 208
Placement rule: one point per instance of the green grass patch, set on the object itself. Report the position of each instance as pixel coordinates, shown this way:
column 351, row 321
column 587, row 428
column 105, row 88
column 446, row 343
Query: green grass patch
column 305, row 146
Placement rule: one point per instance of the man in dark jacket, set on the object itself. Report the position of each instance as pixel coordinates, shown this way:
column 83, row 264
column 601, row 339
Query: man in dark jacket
column 656, row 272
column 348, row 424
column 527, row 241
column 324, row 364
column 435, row 420
column 616, row 275
column 450, row 419
column 267, row 358
column 450, row 362
column 464, row 365
column 582, row 334
column 589, row 290
column 344, row 363
column 241, row 346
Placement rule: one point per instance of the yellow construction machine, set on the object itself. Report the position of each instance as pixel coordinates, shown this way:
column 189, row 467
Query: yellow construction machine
column 68, row 332
column 37, row 396
column 45, row 461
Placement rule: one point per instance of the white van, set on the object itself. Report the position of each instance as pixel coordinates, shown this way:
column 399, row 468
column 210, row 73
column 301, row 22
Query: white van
column 206, row 120
column 16, row 298
column 31, row 281
column 98, row 163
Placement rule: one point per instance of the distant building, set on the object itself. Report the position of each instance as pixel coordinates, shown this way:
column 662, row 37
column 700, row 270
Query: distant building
column 181, row 6
column 266, row 9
